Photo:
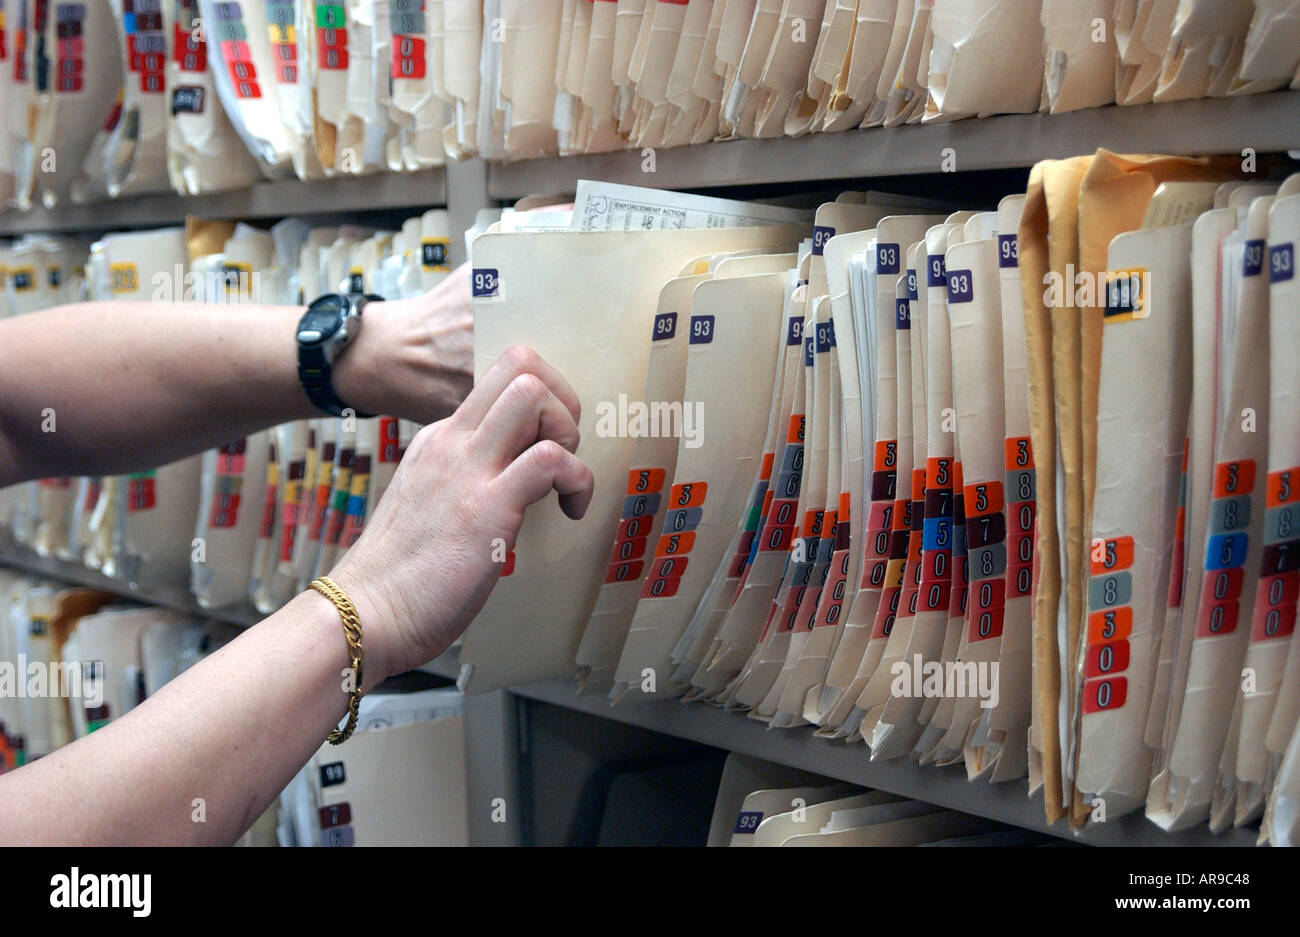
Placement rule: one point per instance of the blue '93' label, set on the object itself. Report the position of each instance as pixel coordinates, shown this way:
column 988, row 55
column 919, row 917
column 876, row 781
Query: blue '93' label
column 484, row 282
column 701, row 330
column 961, row 288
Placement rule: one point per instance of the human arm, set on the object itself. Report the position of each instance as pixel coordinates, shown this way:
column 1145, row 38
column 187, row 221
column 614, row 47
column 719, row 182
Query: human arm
column 110, row 387
column 236, row 727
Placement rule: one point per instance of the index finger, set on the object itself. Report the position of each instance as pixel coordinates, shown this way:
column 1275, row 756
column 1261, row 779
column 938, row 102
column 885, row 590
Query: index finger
column 517, row 360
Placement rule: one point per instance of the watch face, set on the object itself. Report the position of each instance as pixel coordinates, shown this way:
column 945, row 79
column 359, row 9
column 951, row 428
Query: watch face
column 323, row 317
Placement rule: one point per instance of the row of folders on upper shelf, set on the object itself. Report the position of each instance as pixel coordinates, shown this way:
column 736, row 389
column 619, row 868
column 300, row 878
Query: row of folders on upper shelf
column 123, row 97
column 1011, row 489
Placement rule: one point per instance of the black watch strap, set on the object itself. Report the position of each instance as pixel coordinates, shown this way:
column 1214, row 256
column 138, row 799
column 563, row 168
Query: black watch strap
column 316, row 374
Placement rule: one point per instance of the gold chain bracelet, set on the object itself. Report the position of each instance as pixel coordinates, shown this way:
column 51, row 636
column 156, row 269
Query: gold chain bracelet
column 352, row 631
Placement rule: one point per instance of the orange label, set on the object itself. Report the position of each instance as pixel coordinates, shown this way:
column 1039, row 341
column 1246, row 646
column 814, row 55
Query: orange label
column 983, row 498
column 1108, row 556
column 675, row 544
column 794, row 433
column 1113, row 624
column 1283, row 487
column 1020, row 454
column 1234, row 478
column 645, row 481
column 766, row 471
column 938, row 473
column 886, row 455
column 688, row 495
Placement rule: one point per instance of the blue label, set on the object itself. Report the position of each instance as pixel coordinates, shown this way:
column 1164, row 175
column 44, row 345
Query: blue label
column 821, row 234
column 911, row 284
column 1281, row 263
column 823, row 337
column 934, row 271
column 808, row 351
column 936, row 533
column 484, row 282
column 665, row 326
column 887, row 258
column 902, row 314
column 680, row 519
column 748, row 821
column 961, row 286
column 638, row 505
column 1252, row 261
column 1226, row 551
column 794, row 333
column 1008, row 250
column 701, row 330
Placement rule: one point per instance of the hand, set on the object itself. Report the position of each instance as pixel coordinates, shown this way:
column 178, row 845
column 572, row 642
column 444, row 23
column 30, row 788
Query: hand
column 426, row 561
column 413, row 358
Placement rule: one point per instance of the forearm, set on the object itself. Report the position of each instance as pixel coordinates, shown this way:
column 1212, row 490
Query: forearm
column 233, row 730
column 107, row 387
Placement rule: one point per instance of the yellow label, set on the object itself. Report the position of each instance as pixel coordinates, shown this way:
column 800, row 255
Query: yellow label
column 282, row 33
column 360, row 484
column 24, row 278
column 237, row 276
column 1128, row 295
column 123, row 278
column 434, row 253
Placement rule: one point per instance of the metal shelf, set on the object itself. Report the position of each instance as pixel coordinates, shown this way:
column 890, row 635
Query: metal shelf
column 168, row 596
column 278, row 199
column 1007, row 802
column 1266, row 122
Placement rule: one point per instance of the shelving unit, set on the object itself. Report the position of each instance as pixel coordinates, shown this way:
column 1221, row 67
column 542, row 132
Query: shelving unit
column 499, row 738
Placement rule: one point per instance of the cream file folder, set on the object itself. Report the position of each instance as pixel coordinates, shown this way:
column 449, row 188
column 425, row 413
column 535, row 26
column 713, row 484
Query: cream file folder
column 80, row 80
column 1139, row 461
column 980, row 524
column 1079, row 54
column 984, row 59
column 1270, row 55
column 1283, row 457
column 653, row 465
column 765, row 803
column 398, row 786
column 462, row 38
column 1264, row 708
column 258, row 61
column 204, row 151
column 730, row 318
column 741, row 775
column 858, row 652
column 567, row 268
column 777, row 829
column 1182, row 794
column 1142, row 35
column 904, row 548
column 753, row 575
column 1205, row 47
column 654, row 462
column 758, row 686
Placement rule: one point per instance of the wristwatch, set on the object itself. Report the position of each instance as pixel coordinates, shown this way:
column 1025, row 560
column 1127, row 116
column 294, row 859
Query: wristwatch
column 324, row 331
